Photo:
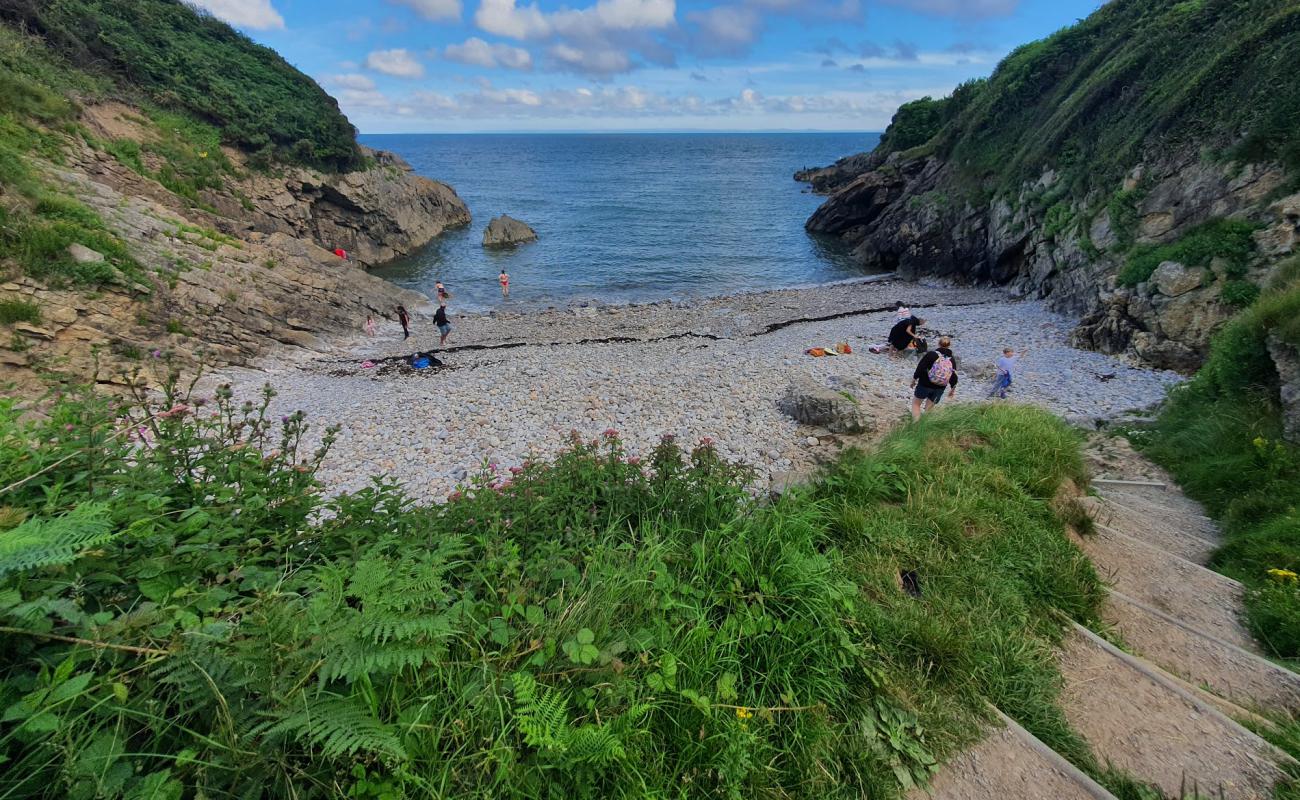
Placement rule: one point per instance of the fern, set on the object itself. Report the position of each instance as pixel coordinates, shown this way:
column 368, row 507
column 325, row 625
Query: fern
column 541, row 714
column 55, row 541
column 339, row 727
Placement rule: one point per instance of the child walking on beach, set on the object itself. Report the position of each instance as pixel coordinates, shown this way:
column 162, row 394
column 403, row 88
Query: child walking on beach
column 1006, row 367
column 405, row 319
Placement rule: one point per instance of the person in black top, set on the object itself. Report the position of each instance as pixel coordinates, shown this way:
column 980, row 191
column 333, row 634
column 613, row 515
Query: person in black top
column 440, row 319
column 935, row 372
column 405, row 319
column 902, row 336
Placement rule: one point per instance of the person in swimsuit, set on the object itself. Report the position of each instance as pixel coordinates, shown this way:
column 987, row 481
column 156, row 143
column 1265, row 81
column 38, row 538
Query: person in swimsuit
column 505, row 284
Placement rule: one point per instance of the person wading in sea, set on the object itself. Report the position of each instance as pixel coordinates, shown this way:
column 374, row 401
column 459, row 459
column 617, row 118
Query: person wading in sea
column 505, row 284
column 405, row 319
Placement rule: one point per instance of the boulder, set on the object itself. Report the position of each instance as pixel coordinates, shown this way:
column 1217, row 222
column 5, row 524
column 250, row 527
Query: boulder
column 1173, row 279
column 506, row 231
column 84, row 255
column 1287, row 362
column 811, row 403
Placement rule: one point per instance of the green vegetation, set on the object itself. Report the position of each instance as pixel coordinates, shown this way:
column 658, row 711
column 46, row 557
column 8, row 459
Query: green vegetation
column 12, row 311
column 1228, row 239
column 181, row 619
column 188, row 154
column 1134, row 75
column 165, row 54
column 1221, row 435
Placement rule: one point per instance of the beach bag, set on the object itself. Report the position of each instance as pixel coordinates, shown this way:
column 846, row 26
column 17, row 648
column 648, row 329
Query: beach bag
column 420, row 363
column 817, row 352
column 940, row 371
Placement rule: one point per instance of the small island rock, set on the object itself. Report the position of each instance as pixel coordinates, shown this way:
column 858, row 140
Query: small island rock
column 506, row 231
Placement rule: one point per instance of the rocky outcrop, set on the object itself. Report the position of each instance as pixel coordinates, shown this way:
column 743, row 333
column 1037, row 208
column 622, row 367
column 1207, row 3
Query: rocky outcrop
column 245, row 269
column 1286, row 360
column 913, row 216
column 506, row 231
column 810, row 403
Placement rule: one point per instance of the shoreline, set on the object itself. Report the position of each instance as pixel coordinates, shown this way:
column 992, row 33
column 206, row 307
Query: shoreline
column 515, row 384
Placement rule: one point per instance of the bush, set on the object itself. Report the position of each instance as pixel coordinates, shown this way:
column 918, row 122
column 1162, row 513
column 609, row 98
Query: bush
column 596, row 626
column 198, row 66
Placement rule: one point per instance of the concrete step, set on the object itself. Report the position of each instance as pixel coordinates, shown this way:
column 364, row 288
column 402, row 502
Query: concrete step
column 1229, row 671
column 1138, row 720
column 1010, row 763
column 1172, row 533
column 1201, row 598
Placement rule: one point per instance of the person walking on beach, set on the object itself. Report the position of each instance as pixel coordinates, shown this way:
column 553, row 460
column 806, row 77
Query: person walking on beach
column 935, row 372
column 505, row 284
column 1006, row 367
column 405, row 319
column 370, row 324
column 440, row 319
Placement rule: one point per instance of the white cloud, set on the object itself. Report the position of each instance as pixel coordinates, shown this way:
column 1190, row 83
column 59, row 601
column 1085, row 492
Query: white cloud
column 351, row 81
column 725, row 30
column 433, row 9
column 959, row 8
column 257, row 14
column 398, row 63
column 507, row 18
column 596, row 61
column 479, row 53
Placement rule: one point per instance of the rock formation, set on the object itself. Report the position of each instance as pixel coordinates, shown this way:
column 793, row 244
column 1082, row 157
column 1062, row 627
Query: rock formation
column 506, row 231
column 811, row 403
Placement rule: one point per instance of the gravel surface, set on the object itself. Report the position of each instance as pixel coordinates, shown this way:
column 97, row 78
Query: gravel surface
column 515, row 384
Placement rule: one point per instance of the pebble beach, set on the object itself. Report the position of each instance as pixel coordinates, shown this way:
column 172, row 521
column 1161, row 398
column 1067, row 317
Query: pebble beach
column 516, row 382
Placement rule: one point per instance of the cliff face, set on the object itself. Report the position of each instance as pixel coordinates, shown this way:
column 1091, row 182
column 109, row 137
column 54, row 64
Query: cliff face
column 1048, row 179
column 248, row 267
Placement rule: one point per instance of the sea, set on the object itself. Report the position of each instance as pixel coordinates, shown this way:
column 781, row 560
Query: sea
column 625, row 218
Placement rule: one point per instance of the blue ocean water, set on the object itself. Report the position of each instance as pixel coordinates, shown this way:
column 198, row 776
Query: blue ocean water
column 625, row 217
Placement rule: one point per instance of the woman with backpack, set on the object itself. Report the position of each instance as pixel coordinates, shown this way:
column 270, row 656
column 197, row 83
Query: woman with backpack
column 935, row 372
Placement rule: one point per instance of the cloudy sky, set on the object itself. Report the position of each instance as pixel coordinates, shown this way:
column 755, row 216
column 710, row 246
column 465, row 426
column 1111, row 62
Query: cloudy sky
column 503, row 65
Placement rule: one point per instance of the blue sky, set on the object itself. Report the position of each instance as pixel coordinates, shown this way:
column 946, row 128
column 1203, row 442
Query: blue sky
column 534, row 65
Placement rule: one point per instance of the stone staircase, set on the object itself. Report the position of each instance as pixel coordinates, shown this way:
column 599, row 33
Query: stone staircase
column 1165, row 709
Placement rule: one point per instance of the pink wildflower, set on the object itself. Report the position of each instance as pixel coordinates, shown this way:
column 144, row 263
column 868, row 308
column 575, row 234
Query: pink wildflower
column 516, row 470
column 610, row 433
column 634, row 460
column 706, row 442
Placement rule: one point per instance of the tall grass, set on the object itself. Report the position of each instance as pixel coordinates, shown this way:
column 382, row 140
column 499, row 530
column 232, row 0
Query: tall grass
column 597, row 626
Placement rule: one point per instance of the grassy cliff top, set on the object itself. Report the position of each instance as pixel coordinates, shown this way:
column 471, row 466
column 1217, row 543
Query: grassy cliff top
column 166, row 54
column 1091, row 99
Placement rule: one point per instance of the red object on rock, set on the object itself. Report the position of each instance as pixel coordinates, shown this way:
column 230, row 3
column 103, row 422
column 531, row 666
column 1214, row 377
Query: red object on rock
column 340, row 252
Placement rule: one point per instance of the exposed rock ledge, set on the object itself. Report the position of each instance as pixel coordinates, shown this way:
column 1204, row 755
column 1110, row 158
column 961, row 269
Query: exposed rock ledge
column 506, row 231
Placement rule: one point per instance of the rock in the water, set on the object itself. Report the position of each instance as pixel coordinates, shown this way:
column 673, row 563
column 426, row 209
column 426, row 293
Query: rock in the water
column 813, row 404
column 84, row 255
column 1173, row 279
column 506, row 231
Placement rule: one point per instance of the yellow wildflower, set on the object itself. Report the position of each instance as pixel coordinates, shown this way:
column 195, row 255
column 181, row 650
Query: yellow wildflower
column 204, row 154
column 1283, row 576
column 743, row 713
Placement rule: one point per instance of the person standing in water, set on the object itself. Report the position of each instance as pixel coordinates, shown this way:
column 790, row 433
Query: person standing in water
column 505, row 284
column 440, row 319
column 405, row 319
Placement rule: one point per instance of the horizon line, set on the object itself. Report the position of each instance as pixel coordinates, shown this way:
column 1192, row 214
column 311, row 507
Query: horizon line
column 610, row 131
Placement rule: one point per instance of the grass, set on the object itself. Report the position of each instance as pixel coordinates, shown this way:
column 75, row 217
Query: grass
column 1222, row 437
column 12, row 311
column 596, row 626
column 1227, row 239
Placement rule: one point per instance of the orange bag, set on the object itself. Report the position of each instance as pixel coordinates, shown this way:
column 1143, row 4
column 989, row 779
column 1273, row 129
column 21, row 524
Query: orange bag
column 817, row 352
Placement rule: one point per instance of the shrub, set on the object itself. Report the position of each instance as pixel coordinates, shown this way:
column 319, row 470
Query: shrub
column 595, row 626
column 1229, row 239
column 12, row 311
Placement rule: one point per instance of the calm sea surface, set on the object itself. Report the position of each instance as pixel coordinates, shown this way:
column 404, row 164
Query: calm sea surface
column 625, row 217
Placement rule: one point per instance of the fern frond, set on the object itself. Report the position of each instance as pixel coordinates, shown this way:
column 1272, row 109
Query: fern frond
column 339, row 727
column 593, row 744
column 541, row 714
column 48, row 542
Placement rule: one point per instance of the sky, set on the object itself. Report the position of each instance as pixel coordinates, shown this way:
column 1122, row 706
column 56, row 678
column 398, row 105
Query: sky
column 433, row 66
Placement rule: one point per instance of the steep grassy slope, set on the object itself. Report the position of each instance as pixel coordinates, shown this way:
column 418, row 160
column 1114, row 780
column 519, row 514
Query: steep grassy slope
column 166, row 53
column 1215, row 74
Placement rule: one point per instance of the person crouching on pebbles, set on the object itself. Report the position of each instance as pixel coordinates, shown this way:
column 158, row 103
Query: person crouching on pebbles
column 935, row 372
column 440, row 319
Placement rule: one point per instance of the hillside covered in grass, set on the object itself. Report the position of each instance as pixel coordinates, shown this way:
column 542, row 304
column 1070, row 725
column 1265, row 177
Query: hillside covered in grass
column 186, row 614
column 165, row 54
column 1148, row 132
